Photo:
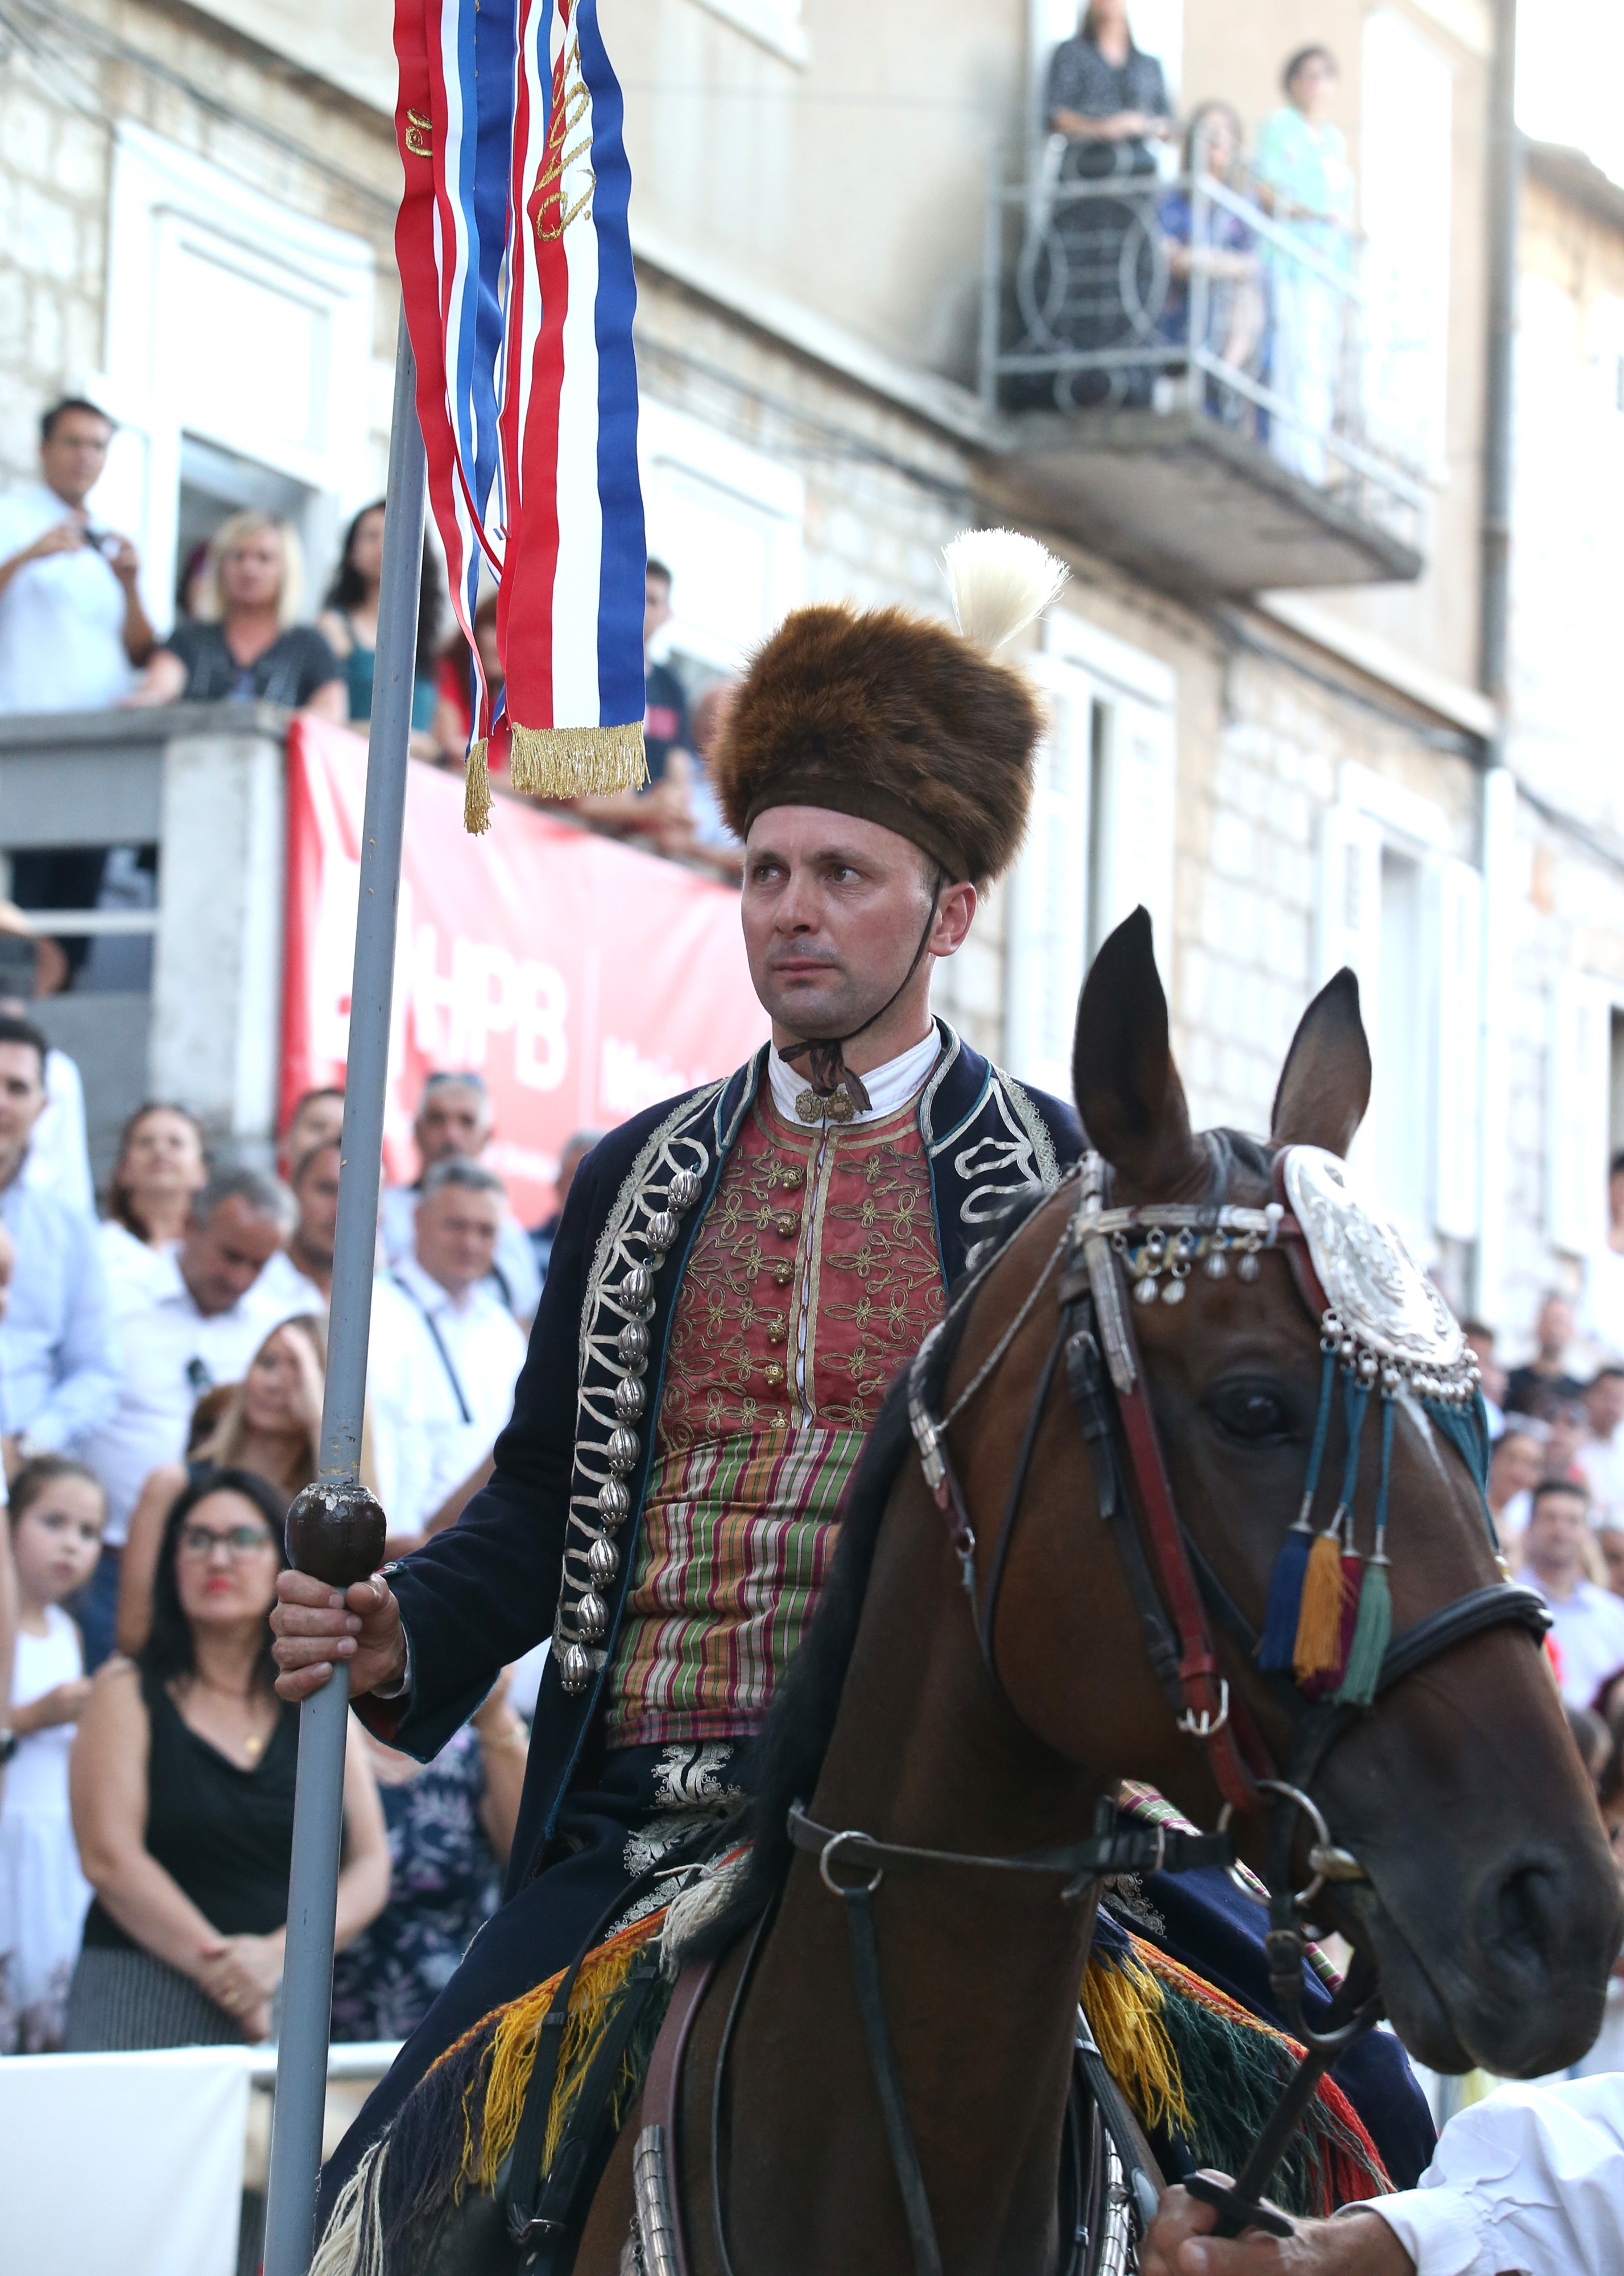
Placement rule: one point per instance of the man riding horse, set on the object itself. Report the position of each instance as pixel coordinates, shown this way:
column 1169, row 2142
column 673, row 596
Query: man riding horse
column 738, row 1275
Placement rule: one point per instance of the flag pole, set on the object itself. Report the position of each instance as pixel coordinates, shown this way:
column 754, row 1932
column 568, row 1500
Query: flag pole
column 335, row 1529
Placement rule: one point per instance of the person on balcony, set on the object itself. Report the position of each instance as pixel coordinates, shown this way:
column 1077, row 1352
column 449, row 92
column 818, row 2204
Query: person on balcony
column 1110, row 101
column 1201, row 238
column 349, row 625
column 1304, row 180
column 247, row 643
column 72, row 624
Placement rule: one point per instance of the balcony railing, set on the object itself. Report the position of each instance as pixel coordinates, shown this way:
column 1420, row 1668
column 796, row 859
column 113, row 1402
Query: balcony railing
column 1190, row 300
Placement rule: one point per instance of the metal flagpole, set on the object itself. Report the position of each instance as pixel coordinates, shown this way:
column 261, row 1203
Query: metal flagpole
column 335, row 1529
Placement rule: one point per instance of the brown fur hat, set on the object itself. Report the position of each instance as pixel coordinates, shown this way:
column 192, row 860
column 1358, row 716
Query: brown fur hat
column 897, row 718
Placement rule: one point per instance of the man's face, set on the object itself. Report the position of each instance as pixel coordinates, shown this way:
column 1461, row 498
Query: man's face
column 1569, row 1428
column 220, row 1261
column 317, row 1122
column 317, row 1195
column 656, row 606
column 833, row 910
column 1556, row 1326
column 1518, row 1468
column 457, row 1232
column 22, row 1101
column 453, row 1119
column 72, row 461
column 1554, row 1542
column 1604, row 1404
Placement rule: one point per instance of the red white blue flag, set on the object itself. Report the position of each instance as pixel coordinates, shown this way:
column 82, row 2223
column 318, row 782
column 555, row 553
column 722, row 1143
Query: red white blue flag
column 515, row 268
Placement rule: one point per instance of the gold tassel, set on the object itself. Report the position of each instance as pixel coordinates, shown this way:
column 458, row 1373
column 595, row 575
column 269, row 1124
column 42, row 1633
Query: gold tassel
column 577, row 761
column 1318, row 1647
column 1123, row 2003
column 477, row 790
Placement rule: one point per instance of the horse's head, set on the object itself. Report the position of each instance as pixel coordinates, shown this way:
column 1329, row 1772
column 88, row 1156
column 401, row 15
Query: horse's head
column 1491, row 1906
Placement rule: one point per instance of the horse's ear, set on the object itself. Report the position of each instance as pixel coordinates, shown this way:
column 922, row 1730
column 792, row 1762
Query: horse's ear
column 1324, row 1085
column 1127, row 1089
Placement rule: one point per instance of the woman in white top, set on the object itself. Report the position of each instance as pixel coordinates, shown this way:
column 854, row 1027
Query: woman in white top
column 56, row 1515
column 161, row 1163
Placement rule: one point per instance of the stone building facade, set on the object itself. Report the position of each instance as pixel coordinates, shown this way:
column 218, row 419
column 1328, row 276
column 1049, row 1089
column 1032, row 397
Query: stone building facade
column 200, row 201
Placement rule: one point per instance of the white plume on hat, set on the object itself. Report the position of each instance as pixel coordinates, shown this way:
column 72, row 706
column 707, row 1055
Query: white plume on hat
column 1000, row 581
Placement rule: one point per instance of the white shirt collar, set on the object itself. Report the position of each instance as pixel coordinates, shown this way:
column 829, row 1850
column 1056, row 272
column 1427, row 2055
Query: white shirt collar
column 432, row 1296
column 888, row 1087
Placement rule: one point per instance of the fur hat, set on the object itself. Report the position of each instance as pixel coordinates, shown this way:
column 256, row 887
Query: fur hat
column 898, row 719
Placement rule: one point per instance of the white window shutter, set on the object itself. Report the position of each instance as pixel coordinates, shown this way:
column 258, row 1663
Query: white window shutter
column 1579, row 1076
column 1457, row 1160
column 1139, row 786
column 1350, row 926
column 1048, row 896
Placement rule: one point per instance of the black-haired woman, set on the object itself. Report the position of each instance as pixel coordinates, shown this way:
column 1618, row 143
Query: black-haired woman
column 349, row 623
column 182, row 1787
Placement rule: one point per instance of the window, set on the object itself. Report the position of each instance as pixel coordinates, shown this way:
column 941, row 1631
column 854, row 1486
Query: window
column 1099, row 840
column 1581, row 1088
column 1408, row 917
column 728, row 523
column 267, row 397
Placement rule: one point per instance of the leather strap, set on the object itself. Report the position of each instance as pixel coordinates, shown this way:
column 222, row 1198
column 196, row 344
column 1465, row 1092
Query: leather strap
column 1202, row 1684
column 1114, row 1848
column 663, row 2087
column 882, row 2062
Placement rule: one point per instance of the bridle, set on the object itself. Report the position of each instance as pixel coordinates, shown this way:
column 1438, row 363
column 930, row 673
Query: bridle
column 1183, row 1607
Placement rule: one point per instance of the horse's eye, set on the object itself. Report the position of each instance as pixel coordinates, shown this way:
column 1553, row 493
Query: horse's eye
column 1250, row 1412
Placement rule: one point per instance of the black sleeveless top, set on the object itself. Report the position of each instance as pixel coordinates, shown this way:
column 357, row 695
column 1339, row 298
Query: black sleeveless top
column 224, row 1834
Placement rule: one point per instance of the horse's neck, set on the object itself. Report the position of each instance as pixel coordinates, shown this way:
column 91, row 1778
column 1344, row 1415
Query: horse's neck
column 980, row 1970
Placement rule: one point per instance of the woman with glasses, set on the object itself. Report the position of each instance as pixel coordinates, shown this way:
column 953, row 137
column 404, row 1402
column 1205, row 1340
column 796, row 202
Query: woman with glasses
column 181, row 1788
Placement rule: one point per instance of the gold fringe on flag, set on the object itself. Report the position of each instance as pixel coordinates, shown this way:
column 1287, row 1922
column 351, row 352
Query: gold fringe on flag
column 577, row 761
column 477, row 790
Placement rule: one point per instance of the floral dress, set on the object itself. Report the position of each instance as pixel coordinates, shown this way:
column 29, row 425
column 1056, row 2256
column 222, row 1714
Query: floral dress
column 446, row 1882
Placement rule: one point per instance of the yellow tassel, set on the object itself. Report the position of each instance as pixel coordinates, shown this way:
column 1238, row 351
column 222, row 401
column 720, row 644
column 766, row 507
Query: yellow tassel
column 477, row 790
column 1319, row 1648
column 1123, row 2003
column 576, row 761
column 513, row 2048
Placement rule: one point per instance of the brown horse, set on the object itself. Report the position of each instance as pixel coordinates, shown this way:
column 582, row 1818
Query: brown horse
column 1490, row 1906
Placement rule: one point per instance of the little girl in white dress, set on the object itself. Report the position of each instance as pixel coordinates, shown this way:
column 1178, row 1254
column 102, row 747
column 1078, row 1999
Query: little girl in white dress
column 58, row 1512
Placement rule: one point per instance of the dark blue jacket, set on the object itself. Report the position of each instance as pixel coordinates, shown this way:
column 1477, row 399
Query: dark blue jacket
column 514, row 1567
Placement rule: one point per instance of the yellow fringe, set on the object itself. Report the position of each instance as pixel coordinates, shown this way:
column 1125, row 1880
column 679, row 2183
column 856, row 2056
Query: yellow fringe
column 477, row 790
column 1318, row 1647
column 513, row 2051
column 1123, row 2004
column 577, row 761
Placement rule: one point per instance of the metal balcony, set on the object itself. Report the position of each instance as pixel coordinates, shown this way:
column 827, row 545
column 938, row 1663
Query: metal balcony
column 1184, row 379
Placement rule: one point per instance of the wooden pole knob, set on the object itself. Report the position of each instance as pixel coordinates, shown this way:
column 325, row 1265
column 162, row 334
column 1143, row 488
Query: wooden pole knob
column 336, row 1532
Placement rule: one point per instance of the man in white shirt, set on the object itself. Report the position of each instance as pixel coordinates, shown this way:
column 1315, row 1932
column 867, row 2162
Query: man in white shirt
column 1589, row 1621
column 445, row 1350
column 72, row 624
column 453, row 1121
column 1601, row 1456
column 58, row 1160
column 301, row 1276
column 193, row 1319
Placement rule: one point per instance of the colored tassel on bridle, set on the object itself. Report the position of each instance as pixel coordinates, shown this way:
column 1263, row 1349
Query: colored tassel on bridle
column 1278, row 1644
column 1318, row 1648
column 1374, row 1630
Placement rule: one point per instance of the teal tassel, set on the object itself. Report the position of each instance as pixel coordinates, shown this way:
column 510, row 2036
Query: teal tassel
column 1374, row 1630
column 1278, row 1643
column 1372, row 1637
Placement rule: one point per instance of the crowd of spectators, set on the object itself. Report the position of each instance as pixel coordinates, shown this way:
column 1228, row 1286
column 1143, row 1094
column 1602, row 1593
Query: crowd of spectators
column 161, row 1376
column 73, row 635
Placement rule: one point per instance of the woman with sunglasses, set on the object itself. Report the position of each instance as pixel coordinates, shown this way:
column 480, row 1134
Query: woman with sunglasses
column 182, row 1787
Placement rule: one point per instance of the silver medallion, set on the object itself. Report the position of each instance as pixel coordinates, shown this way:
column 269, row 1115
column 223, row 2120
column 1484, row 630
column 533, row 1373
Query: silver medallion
column 1382, row 1301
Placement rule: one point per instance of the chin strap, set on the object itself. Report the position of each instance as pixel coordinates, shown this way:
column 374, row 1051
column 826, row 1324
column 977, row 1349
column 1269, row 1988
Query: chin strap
column 827, row 1070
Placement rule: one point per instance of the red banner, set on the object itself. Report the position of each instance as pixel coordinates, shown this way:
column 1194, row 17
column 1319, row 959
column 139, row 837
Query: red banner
column 583, row 980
